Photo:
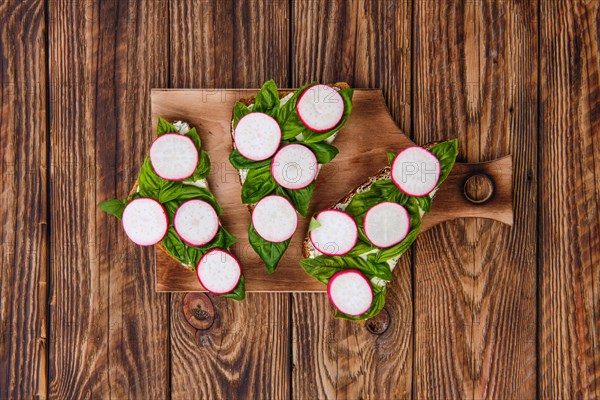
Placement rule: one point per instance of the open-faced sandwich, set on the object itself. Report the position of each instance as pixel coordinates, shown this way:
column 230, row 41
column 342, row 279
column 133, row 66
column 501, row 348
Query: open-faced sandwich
column 171, row 207
column 280, row 141
column 354, row 246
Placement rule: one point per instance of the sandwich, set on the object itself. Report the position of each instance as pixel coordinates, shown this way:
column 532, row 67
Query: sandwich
column 171, row 206
column 354, row 246
column 280, row 141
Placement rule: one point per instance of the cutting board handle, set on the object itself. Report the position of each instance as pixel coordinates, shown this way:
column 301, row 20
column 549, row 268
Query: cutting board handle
column 481, row 190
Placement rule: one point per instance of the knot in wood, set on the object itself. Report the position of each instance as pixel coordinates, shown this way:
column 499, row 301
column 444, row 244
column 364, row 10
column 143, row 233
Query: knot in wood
column 198, row 310
column 479, row 188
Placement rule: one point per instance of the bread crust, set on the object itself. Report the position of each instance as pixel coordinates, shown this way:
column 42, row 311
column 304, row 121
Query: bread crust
column 384, row 173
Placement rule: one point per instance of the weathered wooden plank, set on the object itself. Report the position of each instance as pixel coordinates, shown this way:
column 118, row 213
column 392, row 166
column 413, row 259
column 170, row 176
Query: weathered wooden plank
column 570, row 199
column 23, row 194
column 246, row 352
column 475, row 78
column 109, row 328
column 366, row 44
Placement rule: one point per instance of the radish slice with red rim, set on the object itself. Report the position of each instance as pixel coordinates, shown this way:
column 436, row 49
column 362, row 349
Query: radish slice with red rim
column 174, row 157
column 274, row 218
column 320, row 108
column 196, row 222
column 294, row 166
column 337, row 233
column 218, row 271
column 145, row 221
column 416, row 171
column 350, row 292
column 257, row 136
column 386, row 224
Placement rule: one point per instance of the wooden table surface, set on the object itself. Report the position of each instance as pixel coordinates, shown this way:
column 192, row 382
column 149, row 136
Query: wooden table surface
column 477, row 310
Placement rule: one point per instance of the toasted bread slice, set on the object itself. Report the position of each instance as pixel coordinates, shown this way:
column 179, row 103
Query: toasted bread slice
column 309, row 251
column 183, row 128
column 283, row 96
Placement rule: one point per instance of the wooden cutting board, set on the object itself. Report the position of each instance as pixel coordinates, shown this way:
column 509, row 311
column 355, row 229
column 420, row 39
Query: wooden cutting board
column 363, row 143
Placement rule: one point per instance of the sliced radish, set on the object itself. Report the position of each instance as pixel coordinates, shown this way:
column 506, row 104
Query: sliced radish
column 145, row 221
column 218, row 271
column 320, row 108
column 274, row 219
column 257, row 136
column 337, row 233
column 386, row 224
column 294, row 166
column 350, row 292
column 174, row 157
column 416, row 171
column 196, row 222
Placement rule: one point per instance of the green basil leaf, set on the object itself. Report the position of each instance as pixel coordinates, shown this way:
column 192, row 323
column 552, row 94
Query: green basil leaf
column 239, row 110
column 153, row 186
column 186, row 254
column 240, row 162
column 267, row 99
column 287, row 117
column 300, row 198
column 171, row 207
column 391, row 156
column 323, row 267
column 222, row 240
column 314, row 224
column 203, row 168
column 113, row 207
column 323, row 151
column 193, row 134
column 313, row 137
column 239, row 293
column 379, row 293
column 424, row 202
column 258, row 184
column 269, row 252
column 400, row 248
column 361, row 247
column 188, row 192
column 446, row 152
column 380, row 191
column 163, row 126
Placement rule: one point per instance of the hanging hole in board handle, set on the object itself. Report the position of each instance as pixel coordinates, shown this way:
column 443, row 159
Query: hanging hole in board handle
column 479, row 188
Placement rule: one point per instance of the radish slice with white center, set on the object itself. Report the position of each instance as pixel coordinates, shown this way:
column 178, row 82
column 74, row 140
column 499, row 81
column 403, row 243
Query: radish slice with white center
column 218, row 271
column 257, row 136
column 416, row 171
column 320, row 108
column 386, row 224
column 337, row 233
column 174, row 157
column 350, row 292
column 145, row 221
column 294, row 166
column 196, row 222
column 274, row 219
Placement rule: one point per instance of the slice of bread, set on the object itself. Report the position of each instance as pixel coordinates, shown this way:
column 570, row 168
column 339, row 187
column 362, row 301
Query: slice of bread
column 183, row 128
column 283, row 96
column 309, row 251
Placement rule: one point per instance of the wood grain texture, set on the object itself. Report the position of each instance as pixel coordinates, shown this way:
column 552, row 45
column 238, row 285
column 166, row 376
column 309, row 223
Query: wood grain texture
column 231, row 44
column 23, row 194
column 364, row 141
column 570, row 199
column 475, row 286
column 367, row 44
column 109, row 327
